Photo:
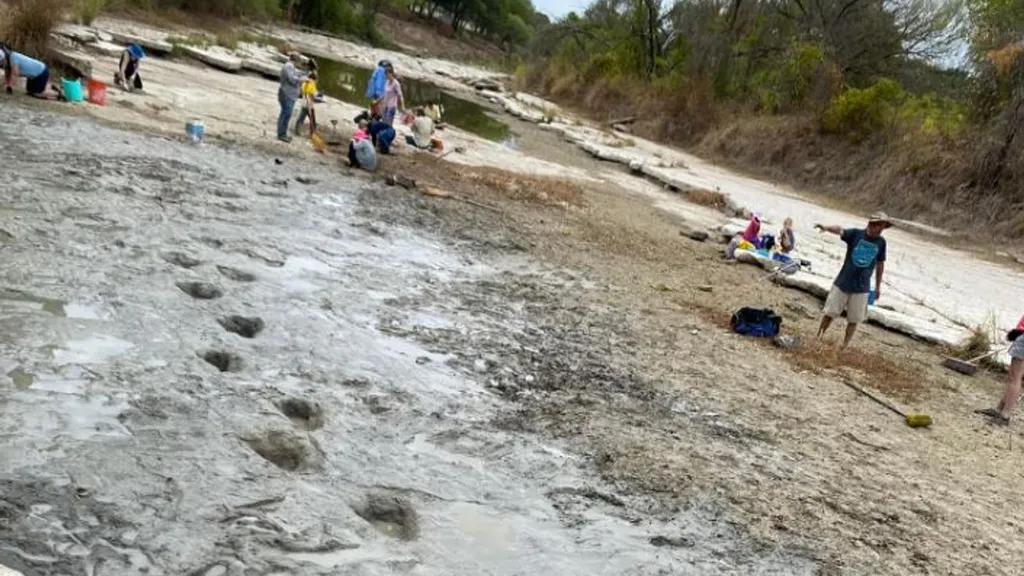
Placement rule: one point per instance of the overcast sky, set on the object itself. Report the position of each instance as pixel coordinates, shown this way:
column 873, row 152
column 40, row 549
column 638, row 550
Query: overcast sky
column 559, row 8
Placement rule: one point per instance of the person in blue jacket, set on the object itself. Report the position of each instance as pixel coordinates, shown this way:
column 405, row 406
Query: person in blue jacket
column 375, row 87
column 17, row 65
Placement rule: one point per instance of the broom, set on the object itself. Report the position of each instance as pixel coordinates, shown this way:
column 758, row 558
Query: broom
column 966, row 367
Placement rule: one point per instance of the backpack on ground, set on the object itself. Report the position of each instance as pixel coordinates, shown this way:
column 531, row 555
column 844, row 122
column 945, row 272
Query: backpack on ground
column 759, row 322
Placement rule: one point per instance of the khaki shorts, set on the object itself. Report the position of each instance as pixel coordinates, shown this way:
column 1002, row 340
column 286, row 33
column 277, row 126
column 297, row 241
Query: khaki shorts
column 856, row 306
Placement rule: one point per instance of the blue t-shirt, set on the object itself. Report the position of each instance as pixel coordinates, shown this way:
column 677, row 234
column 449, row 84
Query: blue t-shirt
column 862, row 253
column 27, row 67
column 375, row 86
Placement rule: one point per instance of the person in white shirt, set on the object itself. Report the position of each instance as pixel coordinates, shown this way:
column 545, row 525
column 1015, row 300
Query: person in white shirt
column 422, row 130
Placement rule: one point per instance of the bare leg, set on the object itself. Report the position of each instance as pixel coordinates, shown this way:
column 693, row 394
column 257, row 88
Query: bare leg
column 1012, row 391
column 851, row 329
column 826, row 321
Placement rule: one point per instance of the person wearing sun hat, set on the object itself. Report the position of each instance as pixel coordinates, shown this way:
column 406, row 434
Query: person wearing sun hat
column 865, row 253
column 127, row 75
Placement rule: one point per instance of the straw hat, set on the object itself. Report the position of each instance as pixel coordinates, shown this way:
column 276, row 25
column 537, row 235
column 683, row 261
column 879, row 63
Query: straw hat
column 880, row 218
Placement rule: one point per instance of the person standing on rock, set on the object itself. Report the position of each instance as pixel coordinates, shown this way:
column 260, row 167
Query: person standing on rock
column 1000, row 415
column 288, row 95
column 308, row 107
column 394, row 100
column 865, row 253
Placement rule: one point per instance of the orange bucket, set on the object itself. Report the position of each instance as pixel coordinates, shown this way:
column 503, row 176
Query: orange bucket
column 97, row 92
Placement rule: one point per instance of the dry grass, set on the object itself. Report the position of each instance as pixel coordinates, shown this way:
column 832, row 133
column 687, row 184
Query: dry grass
column 876, row 371
column 704, row 197
column 680, row 115
column 825, row 359
column 85, row 11
column 978, row 343
column 538, row 189
column 26, row 24
column 475, row 181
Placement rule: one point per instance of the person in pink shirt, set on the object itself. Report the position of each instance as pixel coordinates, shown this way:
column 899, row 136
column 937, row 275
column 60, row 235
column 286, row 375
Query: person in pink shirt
column 753, row 232
column 1011, row 392
column 393, row 97
column 360, row 132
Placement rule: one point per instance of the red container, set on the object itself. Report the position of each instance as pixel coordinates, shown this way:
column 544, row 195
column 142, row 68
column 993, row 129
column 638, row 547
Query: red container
column 97, row 92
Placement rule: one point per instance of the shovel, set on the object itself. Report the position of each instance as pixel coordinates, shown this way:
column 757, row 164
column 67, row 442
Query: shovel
column 913, row 419
column 966, row 367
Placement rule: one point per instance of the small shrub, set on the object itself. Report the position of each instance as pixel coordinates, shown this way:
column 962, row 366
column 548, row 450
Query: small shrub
column 26, row 24
column 860, row 112
column 934, row 115
column 85, row 11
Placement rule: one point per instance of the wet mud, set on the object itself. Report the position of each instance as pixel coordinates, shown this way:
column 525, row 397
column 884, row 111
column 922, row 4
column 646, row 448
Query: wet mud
column 416, row 395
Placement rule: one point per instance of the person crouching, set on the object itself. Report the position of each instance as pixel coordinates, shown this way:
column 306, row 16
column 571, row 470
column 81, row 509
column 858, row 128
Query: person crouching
column 361, row 153
column 17, row 65
column 127, row 75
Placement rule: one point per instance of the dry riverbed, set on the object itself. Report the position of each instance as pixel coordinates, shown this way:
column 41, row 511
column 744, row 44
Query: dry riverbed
column 221, row 364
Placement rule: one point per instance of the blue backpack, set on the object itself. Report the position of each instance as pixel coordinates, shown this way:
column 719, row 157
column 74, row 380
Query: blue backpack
column 759, row 322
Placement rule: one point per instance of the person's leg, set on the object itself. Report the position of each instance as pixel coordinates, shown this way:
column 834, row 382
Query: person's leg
column 834, row 306
column 1012, row 390
column 856, row 313
column 851, row 329
column 37, row 86
column 301, row 119
column 385, row 138
column 287, row 107
column 137, row 82
column 352, row 160
column 826, row 322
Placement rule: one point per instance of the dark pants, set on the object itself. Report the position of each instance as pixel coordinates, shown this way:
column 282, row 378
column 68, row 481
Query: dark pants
column 306, row 112
column 37, row 86
column 352, row 160
column 383, row 140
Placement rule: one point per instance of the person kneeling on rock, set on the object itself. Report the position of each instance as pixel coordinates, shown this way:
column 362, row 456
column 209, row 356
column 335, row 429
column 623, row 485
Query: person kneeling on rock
column 361, row 153
column 127, row 75
column 17, row 65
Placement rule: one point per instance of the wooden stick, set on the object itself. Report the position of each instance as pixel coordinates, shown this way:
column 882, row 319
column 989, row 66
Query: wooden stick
column 877, row 399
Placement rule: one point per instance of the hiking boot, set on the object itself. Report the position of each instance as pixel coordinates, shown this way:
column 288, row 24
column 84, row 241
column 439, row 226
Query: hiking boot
column 286, row 139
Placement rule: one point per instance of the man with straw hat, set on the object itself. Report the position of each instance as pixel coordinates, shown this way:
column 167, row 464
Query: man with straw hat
column 865, row 253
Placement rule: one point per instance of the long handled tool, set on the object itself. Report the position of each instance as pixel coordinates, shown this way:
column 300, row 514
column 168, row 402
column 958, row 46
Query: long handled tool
column 913, row 419
column 967, row 367
column 784, row 269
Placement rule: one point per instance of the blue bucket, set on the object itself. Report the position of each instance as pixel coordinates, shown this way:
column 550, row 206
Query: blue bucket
column 871, row 298
column 72, row 90
column 194, row 130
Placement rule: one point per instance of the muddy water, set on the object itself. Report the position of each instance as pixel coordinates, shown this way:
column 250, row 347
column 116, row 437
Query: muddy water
column 138, row 435
column 348, row 83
